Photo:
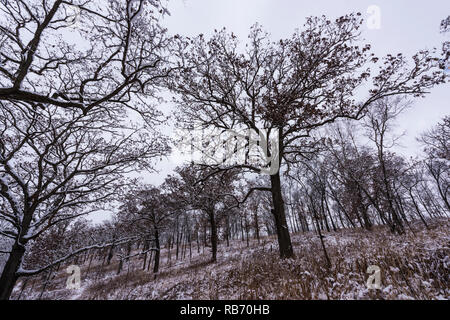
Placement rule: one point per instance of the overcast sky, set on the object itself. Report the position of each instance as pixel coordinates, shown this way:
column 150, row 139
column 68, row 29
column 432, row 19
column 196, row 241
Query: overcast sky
column 404, row 26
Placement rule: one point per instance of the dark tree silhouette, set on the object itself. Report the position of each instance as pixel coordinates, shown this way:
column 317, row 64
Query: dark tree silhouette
column 66, row 141
column 292, row 86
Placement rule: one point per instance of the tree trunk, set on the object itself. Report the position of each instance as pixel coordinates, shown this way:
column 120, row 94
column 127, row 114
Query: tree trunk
column 198, row 243
column 284, row 239
column 327, row 258
column 255, row 217
column 327, row 207
column 150, row 260
column 212, row 222
column 144, row 249
column 204, row 237
column 157, row 253
column 242, row 229
column 128, row 252
column 227, row 235
column 169, row 256
column 190, row 245
column 436, row 177
column 8, row 278
column 47, row 280
column 111, row 251
column 178, row 244
column 417, row 209
column 119, row 268
column 397, row 225
column 24, row 284
column 247, row 231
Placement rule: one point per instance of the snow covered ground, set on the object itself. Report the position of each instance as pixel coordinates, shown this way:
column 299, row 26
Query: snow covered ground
column 413, row 266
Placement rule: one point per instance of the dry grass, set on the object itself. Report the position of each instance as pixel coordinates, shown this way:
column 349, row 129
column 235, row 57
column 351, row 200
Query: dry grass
column 413, row 266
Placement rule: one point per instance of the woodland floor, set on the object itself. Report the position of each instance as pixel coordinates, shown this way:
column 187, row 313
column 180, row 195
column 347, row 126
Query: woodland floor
column 413, row 266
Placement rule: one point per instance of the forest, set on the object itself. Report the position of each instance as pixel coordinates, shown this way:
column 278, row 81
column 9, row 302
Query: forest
column 295, row 190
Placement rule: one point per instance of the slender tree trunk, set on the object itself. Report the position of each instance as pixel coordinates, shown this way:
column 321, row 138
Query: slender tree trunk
column 198, row 243
column 227, row 235
column 417, row 208
column 327, row 258
column 119, row 268
column 91, row 256
column 212, row 221
column 397, row 223
column 327, row 207
column 157, row 253
column 255, row 217
column 111, row 251
column 169, row 256
column 145, row 248
column 436, row 178
column 364, row 212
column 343, row 209
column 47, row 280
column 204, row 237
column 178, row 244
column 242, row 229
column 284, row 239
column 128, row 252
column 25, row 281
column 190, row 246
column 150, row 259
column 247, row 231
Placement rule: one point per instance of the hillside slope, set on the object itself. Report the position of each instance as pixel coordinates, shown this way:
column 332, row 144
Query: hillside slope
column 413, row 266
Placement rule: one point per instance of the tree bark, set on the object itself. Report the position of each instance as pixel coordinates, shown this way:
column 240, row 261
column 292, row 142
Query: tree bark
column 255, row 217
column 284, row 239
column 111, row 251
column 9, row 277
column 212, row 221
column 157, row 253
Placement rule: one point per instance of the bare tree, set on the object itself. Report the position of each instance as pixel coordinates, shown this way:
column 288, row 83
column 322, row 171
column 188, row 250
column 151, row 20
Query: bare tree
column 56, row 165
column 149, row 210
column 120, row 53
column 379, row 127
column 66, row 142
column 292, row 87
column 436, row 144
column 213, row 197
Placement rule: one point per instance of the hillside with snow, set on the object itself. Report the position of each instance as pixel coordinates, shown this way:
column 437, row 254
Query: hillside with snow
column 413, row 266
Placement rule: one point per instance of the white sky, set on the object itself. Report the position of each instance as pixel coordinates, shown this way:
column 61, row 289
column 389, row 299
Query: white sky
column 405, row 26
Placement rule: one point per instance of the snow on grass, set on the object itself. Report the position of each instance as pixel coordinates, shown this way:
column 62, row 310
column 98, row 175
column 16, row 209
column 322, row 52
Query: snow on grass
column 413, row 266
